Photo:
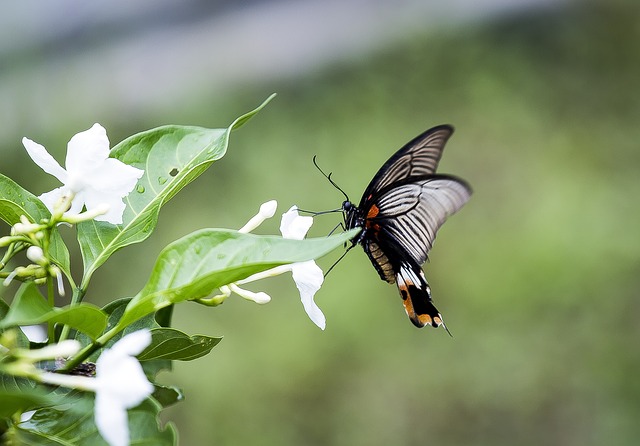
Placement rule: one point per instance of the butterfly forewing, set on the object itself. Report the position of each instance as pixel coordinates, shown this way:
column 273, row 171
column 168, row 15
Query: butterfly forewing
column 409, row 215
column 418, row 157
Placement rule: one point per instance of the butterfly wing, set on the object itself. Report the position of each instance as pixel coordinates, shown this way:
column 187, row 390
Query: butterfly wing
column 401, row 226
column 416, row 296
column 409, row 277
column 405, row 218
column 419, row 157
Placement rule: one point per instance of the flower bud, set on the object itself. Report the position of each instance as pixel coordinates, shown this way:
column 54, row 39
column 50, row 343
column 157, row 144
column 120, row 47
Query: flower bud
column 259, row 298
column 36, row 255
column 267, row 210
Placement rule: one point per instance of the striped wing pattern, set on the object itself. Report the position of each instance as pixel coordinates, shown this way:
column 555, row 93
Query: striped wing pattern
column 401, row 211
column 410, row 214
column 419, row 157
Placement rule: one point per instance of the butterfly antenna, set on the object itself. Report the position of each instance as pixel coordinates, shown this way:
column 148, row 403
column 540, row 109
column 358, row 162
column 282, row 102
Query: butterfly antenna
column 314, row 213
column 328, row 177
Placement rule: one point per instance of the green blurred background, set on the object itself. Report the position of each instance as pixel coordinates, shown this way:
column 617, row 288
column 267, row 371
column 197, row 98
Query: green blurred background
column 537, row 277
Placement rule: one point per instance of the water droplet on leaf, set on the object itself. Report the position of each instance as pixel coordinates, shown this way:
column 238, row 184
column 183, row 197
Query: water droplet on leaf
column 162, row 180
column 140, row 188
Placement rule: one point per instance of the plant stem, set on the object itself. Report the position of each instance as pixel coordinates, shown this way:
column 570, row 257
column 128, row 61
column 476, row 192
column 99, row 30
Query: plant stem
column 76, row 298
column 89, row 349
column 51, row 298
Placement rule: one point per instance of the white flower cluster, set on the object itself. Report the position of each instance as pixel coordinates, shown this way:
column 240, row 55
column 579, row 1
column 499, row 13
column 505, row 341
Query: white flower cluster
column 307, row 275
column 119, row 384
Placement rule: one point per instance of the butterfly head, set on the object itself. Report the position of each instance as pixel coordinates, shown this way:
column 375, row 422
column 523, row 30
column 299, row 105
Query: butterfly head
column 347, row 206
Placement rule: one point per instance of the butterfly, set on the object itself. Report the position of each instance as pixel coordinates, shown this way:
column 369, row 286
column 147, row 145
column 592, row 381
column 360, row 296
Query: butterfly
column 400, row 212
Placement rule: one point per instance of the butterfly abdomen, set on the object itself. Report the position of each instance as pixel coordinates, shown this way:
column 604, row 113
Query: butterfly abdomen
column 380, row 261
column 416, row 297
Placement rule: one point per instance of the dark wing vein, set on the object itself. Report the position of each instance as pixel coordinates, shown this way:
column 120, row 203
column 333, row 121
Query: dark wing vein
column 418, row 157
column 411, row 213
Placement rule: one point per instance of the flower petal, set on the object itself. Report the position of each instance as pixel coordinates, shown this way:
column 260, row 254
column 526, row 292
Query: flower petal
column 133, row 343
column 44, row 160
column 120, row 373
column 294, row 226
column 87, row 150
column 51, row 198
column 115, row 177
column 124, row 380
column 308, row 277
column 34, row 333
column 111, row 420
column 109, row 185
column 114, row 204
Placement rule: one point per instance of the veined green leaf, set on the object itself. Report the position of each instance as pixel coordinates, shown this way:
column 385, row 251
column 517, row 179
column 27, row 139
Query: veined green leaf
column 195, row 265
column 171, row 157
column 73, row 424
column 30, row 308
column 20, row 400
column 16, row 201
column 115, row 310
column 172, row 344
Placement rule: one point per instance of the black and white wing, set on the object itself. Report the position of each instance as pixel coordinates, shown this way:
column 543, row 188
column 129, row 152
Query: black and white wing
column 409, row 215
column 419, row 157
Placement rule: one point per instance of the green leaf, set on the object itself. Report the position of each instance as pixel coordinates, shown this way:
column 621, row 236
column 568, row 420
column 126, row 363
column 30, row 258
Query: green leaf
column 20, row 394
column 4, row 309
column 172, row 344
column 16, row 201
column 115, row 310
column 195, row 265
column 73, row 424
column 17, row 401
column 30, row 308
column 167, row 395
column 172, row 157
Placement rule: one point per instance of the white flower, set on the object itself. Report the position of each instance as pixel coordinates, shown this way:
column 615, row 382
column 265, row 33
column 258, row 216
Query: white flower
column 307, row 275
column 120, row 384
column 91, row 177
column 267, row 210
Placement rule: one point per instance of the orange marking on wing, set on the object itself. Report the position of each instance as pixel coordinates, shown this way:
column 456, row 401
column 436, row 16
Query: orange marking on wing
column 408, row 305
column 373, row 211
column 425, row 319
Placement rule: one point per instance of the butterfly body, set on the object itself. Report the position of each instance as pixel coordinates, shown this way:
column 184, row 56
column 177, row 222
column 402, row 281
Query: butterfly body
column 400, row 212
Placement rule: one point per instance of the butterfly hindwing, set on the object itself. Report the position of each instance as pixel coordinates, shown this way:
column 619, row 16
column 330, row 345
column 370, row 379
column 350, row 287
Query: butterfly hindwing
column 416, row 296
column 410, row 214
